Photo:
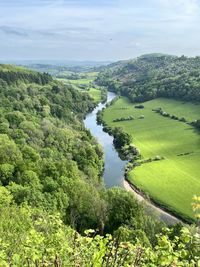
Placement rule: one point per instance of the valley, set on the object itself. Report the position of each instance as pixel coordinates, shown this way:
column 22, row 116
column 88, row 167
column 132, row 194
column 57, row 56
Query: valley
column 174, row 180
column 99, row 133
column 61, row 173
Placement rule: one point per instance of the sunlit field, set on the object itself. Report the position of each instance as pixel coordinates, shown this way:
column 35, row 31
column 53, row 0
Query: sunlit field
column 173, row 181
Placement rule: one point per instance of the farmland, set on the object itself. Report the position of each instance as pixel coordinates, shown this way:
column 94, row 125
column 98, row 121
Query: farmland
column 171, row 182
column 85, row 84
column 95, row 94
column 82, row 78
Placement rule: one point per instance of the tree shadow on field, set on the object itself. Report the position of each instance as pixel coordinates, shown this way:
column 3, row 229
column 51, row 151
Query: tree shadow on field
column 193, row 129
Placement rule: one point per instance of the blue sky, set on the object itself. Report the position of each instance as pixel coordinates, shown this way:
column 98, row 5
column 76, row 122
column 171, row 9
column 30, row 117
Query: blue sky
column 98, row 29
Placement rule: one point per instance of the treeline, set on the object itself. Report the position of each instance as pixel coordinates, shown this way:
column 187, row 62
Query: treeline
column 152, row 76
column 11, row 75
column 104, row 94
column 171, row 116
column 129, row 118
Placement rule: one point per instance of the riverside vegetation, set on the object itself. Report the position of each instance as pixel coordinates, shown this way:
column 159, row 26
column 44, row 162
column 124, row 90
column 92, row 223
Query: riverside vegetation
column 51, row 189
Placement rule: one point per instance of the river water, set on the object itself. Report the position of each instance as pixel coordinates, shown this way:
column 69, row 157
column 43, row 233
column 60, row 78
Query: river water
column 114, row 166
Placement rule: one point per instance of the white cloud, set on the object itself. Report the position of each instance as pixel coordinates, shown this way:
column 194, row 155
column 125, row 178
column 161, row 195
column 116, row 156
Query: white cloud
column 188, row 7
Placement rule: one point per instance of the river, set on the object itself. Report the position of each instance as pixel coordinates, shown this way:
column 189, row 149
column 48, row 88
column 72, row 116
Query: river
column 114, row 166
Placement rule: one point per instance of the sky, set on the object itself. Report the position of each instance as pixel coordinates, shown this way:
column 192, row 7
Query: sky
column 97, row 30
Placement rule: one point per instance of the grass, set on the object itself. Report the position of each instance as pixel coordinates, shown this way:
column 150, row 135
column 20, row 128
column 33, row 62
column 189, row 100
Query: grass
column 65, row 81
column 171, row 182
column 84, row 85
column 82, row 81
column 95, row 94
column 89, row 78
column 78, row 82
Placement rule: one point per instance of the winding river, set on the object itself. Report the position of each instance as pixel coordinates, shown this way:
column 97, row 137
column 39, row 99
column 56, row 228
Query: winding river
column 114, row 166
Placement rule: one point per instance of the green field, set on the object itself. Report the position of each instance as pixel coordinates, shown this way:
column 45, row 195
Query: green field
column 89, row 78
column 81, row 81
column 95, row 94
column 173, row 181
column 85, row 85
column 86, row 81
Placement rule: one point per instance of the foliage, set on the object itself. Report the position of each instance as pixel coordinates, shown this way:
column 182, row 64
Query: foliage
column 44, row 146
column 151, row 76
column 196, row 207
column 35, row 238
column 121, row 138
column 139, row 106
column 11, row 75
column 104, row 93
column 129, row 118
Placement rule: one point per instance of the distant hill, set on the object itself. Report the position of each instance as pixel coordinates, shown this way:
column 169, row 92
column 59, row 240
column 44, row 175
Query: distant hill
column 54, row 67
column 10, row 67
column 12, row 74
column 154, row 75
column 63, row 68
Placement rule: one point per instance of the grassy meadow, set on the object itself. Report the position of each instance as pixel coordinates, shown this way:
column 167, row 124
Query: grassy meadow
column 85, row 85
column 87, row 82
column 84, row 81
column 95, row 94
column 173, row 181
column 89, row 78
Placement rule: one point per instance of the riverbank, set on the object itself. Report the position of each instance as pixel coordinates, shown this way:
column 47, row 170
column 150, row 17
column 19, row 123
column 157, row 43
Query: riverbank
column 163, row 215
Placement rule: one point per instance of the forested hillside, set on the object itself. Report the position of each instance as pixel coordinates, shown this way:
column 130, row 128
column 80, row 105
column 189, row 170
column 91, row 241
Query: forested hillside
column 51, row 188
column 45, row 153
column 12, row 74
column 155, row 75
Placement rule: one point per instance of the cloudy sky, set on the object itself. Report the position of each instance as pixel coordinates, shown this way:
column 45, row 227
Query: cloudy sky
column 98, row 29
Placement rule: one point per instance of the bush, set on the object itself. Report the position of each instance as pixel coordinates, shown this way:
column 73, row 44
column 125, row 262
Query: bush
column 182, row 119
column 129, row 118
column 141, row 117
column 196, row 124
column 139, row 106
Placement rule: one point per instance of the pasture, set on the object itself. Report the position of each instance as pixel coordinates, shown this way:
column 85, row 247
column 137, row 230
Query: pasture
column 85, row 85
column 89, row 77
column 95, row 94
column 171, row 182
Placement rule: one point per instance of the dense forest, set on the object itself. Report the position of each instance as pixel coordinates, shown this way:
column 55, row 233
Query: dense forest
column 51, row 188
column 13, row 75
column 44, row 149
column 154, row 75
